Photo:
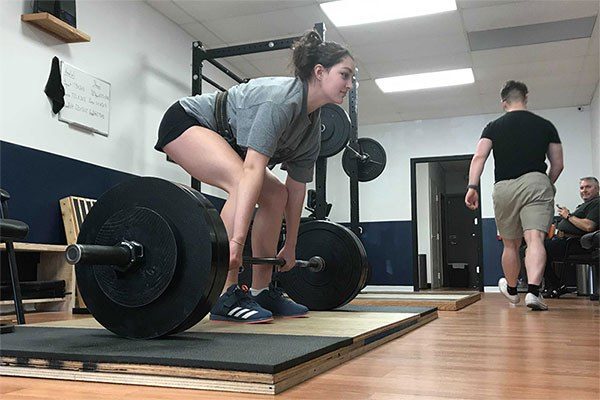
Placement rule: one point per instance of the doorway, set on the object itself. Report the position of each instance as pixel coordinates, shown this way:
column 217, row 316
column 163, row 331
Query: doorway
column 447, row 236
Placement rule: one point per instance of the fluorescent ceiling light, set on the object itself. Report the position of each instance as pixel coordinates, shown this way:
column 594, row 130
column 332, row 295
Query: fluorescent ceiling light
column 426, row 81
column 355, row 12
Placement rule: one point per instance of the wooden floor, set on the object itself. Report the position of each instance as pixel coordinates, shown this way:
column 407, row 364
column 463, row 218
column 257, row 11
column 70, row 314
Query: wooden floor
column 484, row 351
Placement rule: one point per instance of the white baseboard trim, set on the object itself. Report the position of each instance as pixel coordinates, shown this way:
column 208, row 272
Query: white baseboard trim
column 389, row 288
column 491, row 289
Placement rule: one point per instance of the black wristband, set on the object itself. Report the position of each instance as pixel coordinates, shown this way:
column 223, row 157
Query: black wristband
column 476, row 187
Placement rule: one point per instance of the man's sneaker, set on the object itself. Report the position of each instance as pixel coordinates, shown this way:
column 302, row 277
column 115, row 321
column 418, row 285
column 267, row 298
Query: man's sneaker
column 273, row 300
column 535, row 302
column 503, row 286
column 236, row 305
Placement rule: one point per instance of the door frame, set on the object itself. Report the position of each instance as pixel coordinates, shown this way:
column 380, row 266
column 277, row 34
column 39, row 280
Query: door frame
column 413, row 206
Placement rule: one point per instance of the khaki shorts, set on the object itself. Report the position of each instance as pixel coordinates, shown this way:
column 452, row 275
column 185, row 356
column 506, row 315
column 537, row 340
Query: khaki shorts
column 522, row 204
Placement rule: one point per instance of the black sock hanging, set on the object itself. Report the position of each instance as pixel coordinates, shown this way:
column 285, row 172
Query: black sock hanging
column 54, row 87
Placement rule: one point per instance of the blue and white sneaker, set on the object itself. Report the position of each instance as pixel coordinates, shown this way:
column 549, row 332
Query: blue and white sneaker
column 273, row 300
column 236, row 305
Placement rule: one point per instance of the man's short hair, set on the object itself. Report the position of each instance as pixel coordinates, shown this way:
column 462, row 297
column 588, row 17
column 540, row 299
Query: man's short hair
column 513, row 91
column 590, row 179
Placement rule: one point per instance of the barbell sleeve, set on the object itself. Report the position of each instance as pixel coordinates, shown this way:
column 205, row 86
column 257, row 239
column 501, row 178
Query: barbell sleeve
column 122, row 255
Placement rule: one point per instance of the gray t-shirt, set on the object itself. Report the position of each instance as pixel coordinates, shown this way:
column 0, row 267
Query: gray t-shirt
column 270, row 116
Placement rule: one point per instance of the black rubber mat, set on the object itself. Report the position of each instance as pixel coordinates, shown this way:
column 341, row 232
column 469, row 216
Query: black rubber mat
column 230, row 351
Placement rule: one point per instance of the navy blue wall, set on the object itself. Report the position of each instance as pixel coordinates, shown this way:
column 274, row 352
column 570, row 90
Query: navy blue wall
column 389, row 247
column 37, row 181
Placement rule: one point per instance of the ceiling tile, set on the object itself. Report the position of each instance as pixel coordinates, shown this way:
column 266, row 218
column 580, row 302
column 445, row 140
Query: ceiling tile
column 265, row 26
column 583, row 95
column 501, row 72
column 594, row 46
column 490, row 102
column 212, row 10
column 589, row 72
column 551, row 97
column 436, row 25
column 404, row 49
column 436, row 113
column 454, row 96
column 418, row 65
column 533, row 53
column 483, row 3
column 171, row 11
column 571, row 65
column 523, row 71
column 590, row 65
column 531, row 34
column 526, row 13
column 199, row 32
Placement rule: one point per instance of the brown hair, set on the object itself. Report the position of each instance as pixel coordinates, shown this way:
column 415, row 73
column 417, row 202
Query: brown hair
column 310, row 50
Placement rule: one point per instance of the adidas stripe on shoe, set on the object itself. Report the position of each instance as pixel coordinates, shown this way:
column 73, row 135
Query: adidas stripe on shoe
column 235, row 305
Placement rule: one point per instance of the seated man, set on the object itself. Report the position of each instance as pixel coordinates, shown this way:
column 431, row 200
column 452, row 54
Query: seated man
column 572, row 225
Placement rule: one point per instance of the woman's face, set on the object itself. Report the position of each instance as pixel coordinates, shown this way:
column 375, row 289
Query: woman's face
column 337, row 81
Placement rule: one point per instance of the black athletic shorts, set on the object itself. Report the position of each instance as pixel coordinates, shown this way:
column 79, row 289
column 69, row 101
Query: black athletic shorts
column 173, row 124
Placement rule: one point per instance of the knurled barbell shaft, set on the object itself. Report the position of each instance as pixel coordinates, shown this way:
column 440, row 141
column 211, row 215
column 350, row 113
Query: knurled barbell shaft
column 123, row 255
column 315, row 264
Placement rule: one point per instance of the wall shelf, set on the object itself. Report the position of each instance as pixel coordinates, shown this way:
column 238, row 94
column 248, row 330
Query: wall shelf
column 56, row 27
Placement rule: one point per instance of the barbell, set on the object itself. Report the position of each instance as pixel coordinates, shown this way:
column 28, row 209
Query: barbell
column 152, row 257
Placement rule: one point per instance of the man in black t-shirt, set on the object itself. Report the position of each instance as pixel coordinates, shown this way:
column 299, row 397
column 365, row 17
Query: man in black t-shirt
column 583, row 220
column 523, row 193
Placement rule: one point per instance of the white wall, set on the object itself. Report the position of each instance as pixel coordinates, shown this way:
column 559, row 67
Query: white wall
column 595, row 116
column 388, row 197
column 145, row 57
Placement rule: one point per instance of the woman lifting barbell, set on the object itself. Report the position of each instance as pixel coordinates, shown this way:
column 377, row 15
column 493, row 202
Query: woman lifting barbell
column 229, row 139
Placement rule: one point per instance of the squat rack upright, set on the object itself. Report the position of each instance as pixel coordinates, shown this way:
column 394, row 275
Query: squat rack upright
column 200, row 54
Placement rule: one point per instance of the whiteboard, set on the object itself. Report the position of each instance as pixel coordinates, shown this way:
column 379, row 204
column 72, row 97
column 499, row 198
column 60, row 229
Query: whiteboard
column 87, row 100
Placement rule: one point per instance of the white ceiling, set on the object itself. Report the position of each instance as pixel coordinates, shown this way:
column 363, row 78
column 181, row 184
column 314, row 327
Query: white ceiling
column 558, row 74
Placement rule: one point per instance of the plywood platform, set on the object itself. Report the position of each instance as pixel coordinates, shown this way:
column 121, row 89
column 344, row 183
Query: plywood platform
column 348, row 333
column 444, row 301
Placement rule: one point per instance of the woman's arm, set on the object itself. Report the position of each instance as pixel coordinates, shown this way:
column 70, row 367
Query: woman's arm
column 293, row 211
column 249, row 188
